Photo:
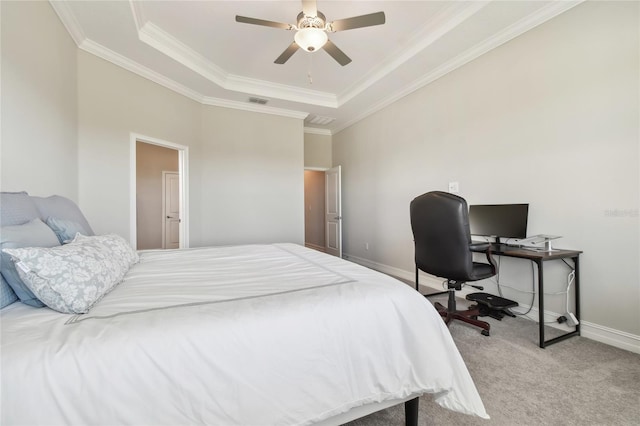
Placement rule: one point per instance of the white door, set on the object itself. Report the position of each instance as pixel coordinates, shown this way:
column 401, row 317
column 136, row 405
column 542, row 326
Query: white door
column 171, row 210
column 333, row 211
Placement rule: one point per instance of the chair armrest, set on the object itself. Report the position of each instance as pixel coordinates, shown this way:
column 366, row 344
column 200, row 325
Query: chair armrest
column 481, row 246
column 484, row 247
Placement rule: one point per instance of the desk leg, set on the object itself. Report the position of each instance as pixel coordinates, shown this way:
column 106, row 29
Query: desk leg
column 540, row 302
column 576, row 332
column 576, row 288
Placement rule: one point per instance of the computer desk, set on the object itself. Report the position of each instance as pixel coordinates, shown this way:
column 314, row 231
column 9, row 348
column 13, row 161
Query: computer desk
column 539, row 258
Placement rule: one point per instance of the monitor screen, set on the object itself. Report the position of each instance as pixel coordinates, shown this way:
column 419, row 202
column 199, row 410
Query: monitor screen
column 499, row 220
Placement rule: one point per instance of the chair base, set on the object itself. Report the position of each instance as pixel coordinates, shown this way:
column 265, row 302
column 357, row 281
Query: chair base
column 469, row 316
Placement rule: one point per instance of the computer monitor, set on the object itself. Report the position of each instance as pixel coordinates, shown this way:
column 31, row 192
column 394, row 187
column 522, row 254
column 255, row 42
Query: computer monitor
column 499, row 220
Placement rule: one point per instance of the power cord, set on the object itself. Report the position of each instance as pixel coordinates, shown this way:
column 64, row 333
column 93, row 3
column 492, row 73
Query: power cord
column 570, row 279
column 533, row 294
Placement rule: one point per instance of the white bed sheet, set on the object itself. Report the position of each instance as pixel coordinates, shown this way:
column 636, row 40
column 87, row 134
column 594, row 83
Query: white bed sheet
column 241, row 335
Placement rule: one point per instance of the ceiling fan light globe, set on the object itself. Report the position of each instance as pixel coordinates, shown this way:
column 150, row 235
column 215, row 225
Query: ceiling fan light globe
column 311, row 39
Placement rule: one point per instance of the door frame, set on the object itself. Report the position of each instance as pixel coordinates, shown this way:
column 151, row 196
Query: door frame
column 183, row 173
column 338, row 171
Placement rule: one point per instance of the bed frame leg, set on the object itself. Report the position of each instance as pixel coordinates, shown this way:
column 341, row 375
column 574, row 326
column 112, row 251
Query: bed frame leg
column 411, row 412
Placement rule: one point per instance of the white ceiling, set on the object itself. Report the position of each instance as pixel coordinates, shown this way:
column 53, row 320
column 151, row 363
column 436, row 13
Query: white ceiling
column 196, row 48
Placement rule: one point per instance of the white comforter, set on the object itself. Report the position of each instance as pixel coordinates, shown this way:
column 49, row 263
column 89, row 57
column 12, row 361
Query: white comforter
column 243, row 335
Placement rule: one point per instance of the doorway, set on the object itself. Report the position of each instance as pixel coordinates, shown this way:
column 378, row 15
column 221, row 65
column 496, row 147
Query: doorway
column 314, row 201
column 159, row 194
column 323, row 210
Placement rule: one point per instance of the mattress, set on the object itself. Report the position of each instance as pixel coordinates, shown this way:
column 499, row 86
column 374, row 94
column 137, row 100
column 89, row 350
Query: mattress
column 239, row 335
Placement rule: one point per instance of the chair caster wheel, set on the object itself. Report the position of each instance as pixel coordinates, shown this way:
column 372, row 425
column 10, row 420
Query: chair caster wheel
column 485, row 332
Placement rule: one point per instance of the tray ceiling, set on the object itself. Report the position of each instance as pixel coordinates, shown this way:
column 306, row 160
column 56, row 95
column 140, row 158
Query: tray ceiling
column 196, row 48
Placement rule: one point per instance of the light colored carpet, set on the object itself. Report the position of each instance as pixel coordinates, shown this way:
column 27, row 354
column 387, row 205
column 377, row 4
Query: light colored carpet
column 574, row 382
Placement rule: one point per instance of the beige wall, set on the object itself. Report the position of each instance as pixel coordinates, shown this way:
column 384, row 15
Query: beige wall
column 245, row 169
column 314, row 199
column 550, row 118
column 112, row 104
column 151, row 161
column 39, row 143
column 317, row 151
column 252, row 177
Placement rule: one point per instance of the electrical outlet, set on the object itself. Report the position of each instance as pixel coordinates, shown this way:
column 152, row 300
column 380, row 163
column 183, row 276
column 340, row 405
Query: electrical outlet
column 454, row 187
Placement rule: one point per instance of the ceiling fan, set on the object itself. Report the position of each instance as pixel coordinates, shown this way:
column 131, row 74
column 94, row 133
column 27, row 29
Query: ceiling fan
column 311, row 31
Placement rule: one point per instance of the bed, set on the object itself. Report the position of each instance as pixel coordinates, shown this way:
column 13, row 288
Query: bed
column 267, row 334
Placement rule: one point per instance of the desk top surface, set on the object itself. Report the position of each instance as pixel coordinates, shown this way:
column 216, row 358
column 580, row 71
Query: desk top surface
column 521, row 252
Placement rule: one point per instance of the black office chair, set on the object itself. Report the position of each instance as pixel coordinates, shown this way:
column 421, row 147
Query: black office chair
column 440, row 225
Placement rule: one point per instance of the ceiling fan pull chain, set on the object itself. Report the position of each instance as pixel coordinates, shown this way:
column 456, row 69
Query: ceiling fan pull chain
column 309, row 71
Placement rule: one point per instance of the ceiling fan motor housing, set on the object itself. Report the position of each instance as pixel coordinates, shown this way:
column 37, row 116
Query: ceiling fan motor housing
column 305, row 21
column 311, row 34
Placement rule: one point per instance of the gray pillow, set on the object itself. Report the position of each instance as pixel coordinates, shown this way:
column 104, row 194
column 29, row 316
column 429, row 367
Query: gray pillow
column 72, row 277
column 66, row 230
column 17, row 208
column 7, row 295
column 31, row 234
column 61, row 208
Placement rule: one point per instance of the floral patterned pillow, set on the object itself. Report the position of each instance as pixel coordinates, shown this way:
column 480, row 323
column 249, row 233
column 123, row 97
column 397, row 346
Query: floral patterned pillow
column 73, row 277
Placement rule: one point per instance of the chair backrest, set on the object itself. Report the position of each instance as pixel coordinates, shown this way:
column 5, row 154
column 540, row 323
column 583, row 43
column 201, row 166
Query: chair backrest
column 440, row 225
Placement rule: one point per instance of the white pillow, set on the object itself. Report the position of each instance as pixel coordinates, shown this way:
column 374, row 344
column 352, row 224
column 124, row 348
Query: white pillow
column 73, row 277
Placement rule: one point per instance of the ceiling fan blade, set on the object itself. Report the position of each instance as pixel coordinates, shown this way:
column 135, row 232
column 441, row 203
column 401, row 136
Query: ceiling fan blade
column 289, row 51
column 369, row 20
column 254, row 21
column 309, row 7
column 336, row 53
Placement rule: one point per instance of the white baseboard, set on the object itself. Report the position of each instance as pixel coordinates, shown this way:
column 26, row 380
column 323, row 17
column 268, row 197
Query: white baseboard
column 599, row 333
column 610, row 336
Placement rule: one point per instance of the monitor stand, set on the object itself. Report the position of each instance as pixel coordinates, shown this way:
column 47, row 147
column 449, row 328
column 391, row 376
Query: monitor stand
column 538, row 239
column 498, row 242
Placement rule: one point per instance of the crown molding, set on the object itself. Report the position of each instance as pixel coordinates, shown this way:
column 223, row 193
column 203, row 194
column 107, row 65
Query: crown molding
column 317, row 131
column 71, row 24
column 137, row 13
column 525, row 24
column 164, row 42
column 69, row 20
column 280, row 91
column 446, row 21
column 117, row 59
column 123, row 62
column 157, row 38
column 254, row 108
